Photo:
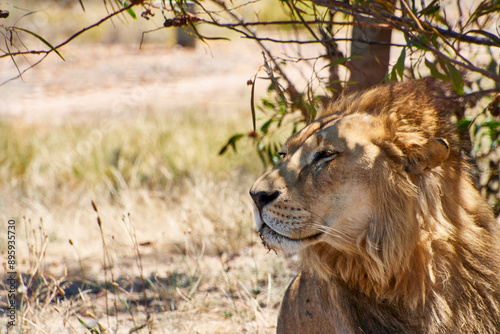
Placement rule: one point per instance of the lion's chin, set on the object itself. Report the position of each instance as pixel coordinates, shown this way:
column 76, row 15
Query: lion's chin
column 278, row 242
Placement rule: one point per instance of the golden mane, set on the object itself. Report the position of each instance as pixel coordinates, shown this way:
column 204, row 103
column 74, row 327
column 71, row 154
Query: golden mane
column 424, row 256
column 436, row 247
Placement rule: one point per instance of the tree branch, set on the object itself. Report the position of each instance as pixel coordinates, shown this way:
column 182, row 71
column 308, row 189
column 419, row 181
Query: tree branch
column 72, row 37
column 294, row 41
column 295, row 96
column 346, row 8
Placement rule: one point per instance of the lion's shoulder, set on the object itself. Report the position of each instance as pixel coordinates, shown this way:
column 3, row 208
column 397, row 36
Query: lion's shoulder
column 307, row 308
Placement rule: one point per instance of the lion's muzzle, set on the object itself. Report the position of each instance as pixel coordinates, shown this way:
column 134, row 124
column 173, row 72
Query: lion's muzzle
column 258, row 220
column 262, row 198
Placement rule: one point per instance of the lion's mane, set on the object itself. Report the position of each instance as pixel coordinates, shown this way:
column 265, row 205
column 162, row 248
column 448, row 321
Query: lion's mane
column 430, row 260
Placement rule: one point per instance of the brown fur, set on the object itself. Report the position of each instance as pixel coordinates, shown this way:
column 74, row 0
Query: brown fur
column 376, row 197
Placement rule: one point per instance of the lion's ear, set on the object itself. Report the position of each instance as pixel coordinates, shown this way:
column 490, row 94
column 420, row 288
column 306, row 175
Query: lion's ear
column 430, row 156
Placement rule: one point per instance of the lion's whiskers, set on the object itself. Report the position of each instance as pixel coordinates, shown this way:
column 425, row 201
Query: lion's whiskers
column 323, row 227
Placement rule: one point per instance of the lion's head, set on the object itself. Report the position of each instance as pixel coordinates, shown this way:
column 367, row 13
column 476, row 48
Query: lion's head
column 322, row 190
column 376, row 193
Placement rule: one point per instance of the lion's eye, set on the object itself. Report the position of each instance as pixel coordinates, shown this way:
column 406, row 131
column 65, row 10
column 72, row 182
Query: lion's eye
column 282, row 154
column 324, row 155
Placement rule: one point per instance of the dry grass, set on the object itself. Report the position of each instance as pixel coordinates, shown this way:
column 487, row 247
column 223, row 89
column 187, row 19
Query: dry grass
column 175, row 249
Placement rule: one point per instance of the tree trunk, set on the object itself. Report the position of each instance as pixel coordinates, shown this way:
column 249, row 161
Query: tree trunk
column 370, row 59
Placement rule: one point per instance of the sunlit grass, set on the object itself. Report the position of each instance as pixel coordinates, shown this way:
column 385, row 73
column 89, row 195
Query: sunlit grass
column 145, row 152
column 161, row 190
column 163, row 169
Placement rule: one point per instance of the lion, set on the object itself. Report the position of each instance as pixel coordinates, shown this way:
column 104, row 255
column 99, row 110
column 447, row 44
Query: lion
column 377, row 199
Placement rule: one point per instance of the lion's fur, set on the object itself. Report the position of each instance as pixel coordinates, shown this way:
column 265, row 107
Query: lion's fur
column 426, row 257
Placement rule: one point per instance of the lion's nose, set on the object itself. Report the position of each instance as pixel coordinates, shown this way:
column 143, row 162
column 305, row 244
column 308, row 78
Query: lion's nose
column 262, row 198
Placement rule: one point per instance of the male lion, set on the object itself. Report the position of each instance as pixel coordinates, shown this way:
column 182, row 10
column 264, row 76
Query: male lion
column 376, row 197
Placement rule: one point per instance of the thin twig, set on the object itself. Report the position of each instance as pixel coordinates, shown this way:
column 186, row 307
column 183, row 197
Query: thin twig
column 292, row 41
column 409, row 11
column 292, row 91
column 24, row 71
column 72, row 37
column 291, row 22
column 468, row 66
column 477, row 94
column 47, row 52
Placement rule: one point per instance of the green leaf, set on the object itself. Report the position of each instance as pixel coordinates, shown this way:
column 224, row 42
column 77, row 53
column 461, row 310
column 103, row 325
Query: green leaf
column 267, row 104
column 130, row 10
column 283, row 108
column 435, row 72
column 430, row 10
column 493, row 133
column 417, row 42
column 492, row 66
column 270, row 88
column 231, row 142
column 266, row 125
column 464, row 125
column 456, row 78
column 394, row 77
column 386, row 78
column 341, row 60
column 492, row 124
column 399, row 67
column 485, row 7
column 41, row 39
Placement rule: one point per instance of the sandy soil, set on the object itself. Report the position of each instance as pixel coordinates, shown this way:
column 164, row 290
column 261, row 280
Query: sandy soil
column 105, row 78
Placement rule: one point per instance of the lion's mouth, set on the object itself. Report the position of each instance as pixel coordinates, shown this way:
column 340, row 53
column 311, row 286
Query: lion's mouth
column 274, row 240
column 268, row 229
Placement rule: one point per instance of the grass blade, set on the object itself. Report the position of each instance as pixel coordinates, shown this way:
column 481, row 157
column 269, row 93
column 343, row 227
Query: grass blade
column 195, row 286
column 137, row 328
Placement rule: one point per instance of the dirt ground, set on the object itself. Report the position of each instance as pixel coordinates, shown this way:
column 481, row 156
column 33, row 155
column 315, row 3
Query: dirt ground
column 118, row 78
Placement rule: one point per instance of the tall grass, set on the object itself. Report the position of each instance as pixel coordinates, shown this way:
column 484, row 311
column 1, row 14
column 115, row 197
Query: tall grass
column 165, row 168
column 142, row 152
